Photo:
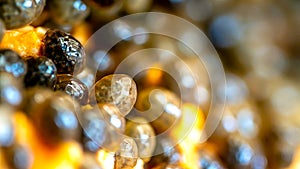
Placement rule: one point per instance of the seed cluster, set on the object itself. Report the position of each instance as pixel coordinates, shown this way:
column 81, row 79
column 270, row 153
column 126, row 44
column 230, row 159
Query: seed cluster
column 63, row 106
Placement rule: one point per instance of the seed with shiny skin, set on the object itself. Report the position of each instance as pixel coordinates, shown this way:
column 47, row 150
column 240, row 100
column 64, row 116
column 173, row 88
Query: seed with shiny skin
column 65, row 51
column 11, row 62
column 144, row 136
column 41, row 72
column 73, row 87
column 98, row 132
column 126, row 156
column 117, row 89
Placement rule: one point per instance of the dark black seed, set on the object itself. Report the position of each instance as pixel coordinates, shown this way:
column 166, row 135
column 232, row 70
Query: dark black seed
column 10, row 90
column 11, row 62
column 65, row 51
column 18, row 156
column 41, row 72
column 55, row 118
column 72, row 87
column 18, row 13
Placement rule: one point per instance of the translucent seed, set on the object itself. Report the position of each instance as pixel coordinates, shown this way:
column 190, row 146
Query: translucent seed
column 98, row 132
column 117, row 89
column 126, row 156
column 143, row 135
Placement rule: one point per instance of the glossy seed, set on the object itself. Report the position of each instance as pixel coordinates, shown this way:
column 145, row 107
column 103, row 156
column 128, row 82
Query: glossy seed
column 69, row 12
column 55, row 118
column 65, row 51
column 98, row 132
column 160, row 106
column 18, row 13
column 72, row 87
column 126, row 156
column 10, row 90
column 41, row 72
column 144, row 136
column 117, row 89
column 11, row 62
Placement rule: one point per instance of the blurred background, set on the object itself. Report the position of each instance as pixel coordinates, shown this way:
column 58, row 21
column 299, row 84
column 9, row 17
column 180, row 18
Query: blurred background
column 258, row 42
